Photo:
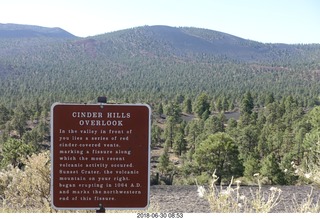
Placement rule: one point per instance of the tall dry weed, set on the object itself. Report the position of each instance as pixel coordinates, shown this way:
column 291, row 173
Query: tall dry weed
column 231, row 200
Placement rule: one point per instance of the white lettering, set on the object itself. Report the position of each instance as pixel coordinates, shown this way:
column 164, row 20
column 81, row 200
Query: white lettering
column 117, row 115
column 86, row 114
column 90, row 172
column 101, row 122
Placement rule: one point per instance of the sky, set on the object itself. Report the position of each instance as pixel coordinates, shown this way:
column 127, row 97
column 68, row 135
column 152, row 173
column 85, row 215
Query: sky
column 266, row 21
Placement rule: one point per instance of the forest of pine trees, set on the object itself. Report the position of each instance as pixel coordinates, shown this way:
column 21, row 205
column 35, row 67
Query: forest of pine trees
column 198, row 136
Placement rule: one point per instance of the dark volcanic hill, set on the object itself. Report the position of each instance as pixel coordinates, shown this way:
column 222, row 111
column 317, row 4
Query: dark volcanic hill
column 163, row 41
column 188, row 41
column 28, row 31
column 150, row 62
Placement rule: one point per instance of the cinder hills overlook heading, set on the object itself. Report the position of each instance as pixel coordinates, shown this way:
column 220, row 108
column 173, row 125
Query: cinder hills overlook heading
column 109, row 115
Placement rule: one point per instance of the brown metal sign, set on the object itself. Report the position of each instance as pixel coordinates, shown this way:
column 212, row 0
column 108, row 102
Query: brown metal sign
column 100, row 156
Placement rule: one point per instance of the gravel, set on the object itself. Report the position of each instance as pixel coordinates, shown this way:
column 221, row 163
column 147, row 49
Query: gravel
column 185, row 199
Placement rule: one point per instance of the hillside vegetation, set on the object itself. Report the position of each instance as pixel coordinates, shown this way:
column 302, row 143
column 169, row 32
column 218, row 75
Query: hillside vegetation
column 154, row 63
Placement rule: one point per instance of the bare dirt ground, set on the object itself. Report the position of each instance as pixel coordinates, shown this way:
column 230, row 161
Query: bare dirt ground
column 184, row 199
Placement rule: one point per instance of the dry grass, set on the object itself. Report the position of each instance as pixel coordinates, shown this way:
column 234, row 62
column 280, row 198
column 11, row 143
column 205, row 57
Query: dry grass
column 231, row 200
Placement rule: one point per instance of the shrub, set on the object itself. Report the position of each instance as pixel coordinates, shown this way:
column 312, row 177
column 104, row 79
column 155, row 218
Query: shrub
column 29, row 188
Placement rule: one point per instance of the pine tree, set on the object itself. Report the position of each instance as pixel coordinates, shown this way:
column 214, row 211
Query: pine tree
column 188, row 106
column 164, row 161
column 179, row 144
column 202, row 104
column 247, row 104
column 14, row 151
column 219, row 152
column 271, row 169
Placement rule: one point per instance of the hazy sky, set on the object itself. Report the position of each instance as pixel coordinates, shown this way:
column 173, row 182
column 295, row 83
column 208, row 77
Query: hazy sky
column 275, row 21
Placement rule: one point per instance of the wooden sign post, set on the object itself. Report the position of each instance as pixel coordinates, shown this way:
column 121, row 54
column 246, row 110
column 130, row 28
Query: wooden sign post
column 100, row 156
